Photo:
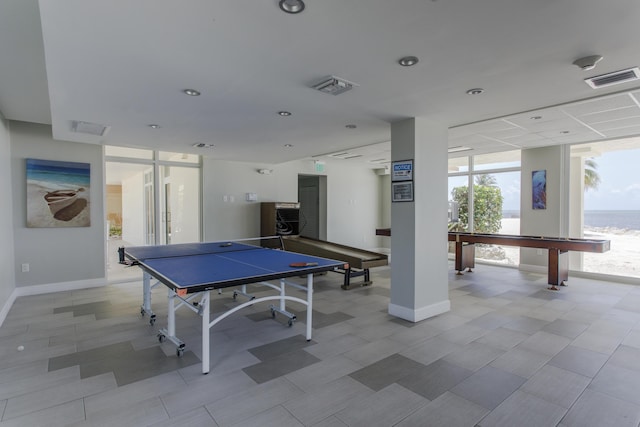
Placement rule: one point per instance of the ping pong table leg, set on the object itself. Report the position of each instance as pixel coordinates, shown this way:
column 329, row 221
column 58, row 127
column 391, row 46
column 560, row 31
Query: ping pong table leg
column 309, row 304
column 171, row 314
column 283, row 306
column 146, row 298
column 205, row 332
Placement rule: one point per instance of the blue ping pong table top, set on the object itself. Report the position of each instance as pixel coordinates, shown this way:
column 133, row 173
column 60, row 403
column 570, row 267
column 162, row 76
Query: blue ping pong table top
column 213, row 265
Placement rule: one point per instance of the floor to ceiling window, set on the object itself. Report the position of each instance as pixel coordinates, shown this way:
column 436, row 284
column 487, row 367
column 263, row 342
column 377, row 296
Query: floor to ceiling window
column 152, row 198
column 486, row 189
column 606, row 178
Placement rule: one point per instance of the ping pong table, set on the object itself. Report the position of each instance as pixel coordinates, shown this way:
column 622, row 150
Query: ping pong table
column 191, row 271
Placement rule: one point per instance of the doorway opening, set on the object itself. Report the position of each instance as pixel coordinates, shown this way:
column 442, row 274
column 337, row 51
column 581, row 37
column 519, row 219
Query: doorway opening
column 312, row 196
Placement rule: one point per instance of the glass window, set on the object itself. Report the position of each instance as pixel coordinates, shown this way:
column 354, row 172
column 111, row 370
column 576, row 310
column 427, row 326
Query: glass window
column 609, row 185
column 132, row 153
column 459, row 164
column 505, row 159
column 178, row 157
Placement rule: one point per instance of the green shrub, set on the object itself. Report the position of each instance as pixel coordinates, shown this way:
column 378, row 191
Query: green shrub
column 487, row 212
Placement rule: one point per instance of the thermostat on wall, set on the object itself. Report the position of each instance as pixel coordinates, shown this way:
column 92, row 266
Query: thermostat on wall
column 252, row 197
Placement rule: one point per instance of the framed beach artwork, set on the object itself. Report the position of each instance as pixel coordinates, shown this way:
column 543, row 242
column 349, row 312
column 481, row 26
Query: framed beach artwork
column 58, row 194
column 539, row 189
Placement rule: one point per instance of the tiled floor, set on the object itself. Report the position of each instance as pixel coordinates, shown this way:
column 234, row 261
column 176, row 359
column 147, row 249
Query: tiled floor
column 509, row 353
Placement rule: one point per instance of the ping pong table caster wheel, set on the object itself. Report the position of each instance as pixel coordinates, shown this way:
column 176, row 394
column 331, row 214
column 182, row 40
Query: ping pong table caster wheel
column 162, row 337
column 290, row 322
column 235, row 295
column 142, row 312
column 152, row 320
column 179, row 352
column 273, row 313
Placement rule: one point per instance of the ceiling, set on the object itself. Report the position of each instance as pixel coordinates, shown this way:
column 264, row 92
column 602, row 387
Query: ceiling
column 125, row 65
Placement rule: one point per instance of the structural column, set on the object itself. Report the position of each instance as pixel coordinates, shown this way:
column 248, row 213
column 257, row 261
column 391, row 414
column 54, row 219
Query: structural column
column 419, row 269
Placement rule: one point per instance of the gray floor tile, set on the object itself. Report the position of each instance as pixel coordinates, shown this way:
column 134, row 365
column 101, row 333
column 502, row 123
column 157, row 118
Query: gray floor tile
column 503, row 338
column 618, row 382
column 238, row 407
column 280, row 365
column 384, row 408
column 199, row 417
column 488, row 387
column 325, row 371
column 329, row 399
column 54, row 396
column 626, row 357
column 122, row 397
column 556, row 385
column 56, row 416
column 528, row 325
column 448, row 410
column 524, row 410
column 341, row 344
column 431, row 350
column 579, row 360
column 520, row 361
column 545, row 343
column 143, row 413
column 474, row 356
column 525, row 321
column 600, row 410
column 386, row 371
column 433, row 380
column 276, row 416
column 331, row 421
column 566, row 328
column 277, row 348
column 184, row 398
column 33, row 383
column 372, row 352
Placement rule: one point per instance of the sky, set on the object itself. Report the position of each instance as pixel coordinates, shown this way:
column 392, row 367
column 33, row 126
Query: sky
column 619, row 187
column 619, row 182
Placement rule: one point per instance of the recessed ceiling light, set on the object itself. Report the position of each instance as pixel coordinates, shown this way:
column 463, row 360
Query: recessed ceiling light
column 292, row 6
column 351, row 126
column 408, row 61
column 564, row 132
column 191, row 92
column 284, row 113
column 475, row 91
column 154, row 126
column 535, row 117
column 288, row 145
column 202, row 145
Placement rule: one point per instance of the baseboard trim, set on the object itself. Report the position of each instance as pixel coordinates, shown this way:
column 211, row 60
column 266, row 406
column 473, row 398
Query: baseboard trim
column 59, row 287
column 47, row 289
column 542, row 269
column 422, row 313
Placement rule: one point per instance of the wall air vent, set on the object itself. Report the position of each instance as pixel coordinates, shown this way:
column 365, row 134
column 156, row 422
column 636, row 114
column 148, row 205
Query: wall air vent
column 333, row 85
column 617, row 77
column 89, row 128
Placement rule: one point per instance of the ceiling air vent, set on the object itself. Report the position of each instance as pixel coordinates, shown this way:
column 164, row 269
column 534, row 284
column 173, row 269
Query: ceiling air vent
column 614, row 78
column 89, row 128
column 333, row 85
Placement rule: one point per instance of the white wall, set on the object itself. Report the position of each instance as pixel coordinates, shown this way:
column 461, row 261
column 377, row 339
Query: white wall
column 353, row 198
column 55, row 255
column 7, row 272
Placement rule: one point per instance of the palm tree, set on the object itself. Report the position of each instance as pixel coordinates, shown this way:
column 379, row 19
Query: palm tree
column 591, row 177
column 486, row 180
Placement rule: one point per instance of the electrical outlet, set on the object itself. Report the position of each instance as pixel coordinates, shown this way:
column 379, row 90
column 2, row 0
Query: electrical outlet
column 25, row 268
